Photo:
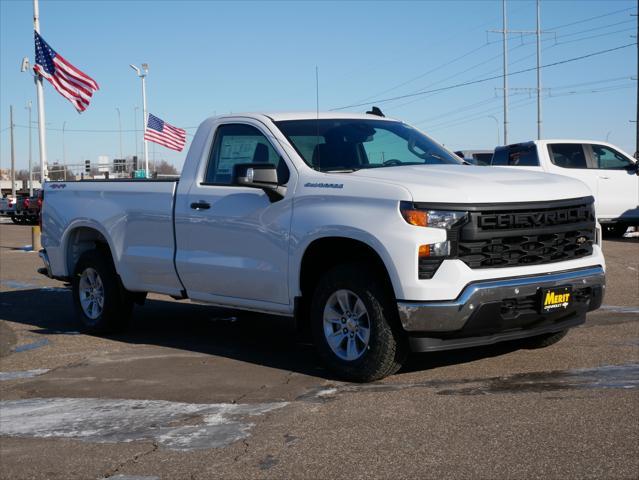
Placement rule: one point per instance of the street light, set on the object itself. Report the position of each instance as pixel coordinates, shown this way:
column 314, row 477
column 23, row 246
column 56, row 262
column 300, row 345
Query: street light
column 120, row 129
column 497, row 122
column 142, row 73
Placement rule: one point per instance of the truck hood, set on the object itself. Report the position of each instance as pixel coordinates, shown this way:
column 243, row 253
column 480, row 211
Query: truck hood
column 474, row 184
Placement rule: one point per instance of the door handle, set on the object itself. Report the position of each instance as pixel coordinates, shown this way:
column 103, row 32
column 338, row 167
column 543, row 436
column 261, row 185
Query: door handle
column 201, row 205
column 604, row 178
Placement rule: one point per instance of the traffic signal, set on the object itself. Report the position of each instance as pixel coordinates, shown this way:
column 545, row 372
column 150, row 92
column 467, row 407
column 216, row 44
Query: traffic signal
column 87, row 166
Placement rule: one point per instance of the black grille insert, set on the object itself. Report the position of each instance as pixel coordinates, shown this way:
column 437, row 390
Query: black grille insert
column 507, row 237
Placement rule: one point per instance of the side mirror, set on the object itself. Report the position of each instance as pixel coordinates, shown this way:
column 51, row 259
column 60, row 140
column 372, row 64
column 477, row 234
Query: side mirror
column 633, row 168
column 258, row 175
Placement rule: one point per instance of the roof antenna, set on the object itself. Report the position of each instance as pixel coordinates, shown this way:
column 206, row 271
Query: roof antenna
column 317, row 138
column 376, row 111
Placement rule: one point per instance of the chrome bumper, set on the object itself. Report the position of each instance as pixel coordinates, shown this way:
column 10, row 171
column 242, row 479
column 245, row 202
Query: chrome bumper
column 452, row 315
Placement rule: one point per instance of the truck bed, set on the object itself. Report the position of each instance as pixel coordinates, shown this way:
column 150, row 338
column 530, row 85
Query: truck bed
column 135, row 217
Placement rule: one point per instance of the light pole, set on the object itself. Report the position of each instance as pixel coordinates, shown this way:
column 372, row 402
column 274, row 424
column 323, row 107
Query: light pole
column 497, row 123
column 119, row 129
column 142, row 73
column 135, row 128
column 28, row 107
column 608, row 135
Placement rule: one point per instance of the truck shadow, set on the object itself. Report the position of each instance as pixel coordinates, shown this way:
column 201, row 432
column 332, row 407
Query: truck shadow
column 249, row 337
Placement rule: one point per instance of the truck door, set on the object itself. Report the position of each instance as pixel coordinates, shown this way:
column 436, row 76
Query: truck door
column 617, row 182
column 232, row 241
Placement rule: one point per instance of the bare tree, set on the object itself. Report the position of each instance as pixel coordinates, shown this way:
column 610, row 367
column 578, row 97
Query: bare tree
column 165, row 168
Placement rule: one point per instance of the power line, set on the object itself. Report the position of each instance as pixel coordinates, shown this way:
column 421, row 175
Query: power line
column 520, row 103
column 494, row 77
column 592, row 18
column 522, row 44
column 422, row 75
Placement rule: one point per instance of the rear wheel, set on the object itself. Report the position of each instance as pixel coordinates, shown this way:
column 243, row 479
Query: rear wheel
column 543, row 341
column 101, row 304
column 354, row 324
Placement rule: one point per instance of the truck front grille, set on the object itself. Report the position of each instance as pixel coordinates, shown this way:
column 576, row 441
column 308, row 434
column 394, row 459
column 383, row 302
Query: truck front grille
column 525, row 234
column 526, row 249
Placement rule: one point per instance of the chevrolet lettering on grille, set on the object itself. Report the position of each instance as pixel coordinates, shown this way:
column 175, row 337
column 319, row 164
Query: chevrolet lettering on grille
column 535, row 219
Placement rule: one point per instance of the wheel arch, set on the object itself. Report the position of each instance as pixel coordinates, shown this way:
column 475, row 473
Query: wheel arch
column 81, row 238
column 324, row 253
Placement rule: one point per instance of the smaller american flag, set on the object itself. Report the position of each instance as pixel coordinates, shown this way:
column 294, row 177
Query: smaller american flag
column 71, row 83
column 158, row 131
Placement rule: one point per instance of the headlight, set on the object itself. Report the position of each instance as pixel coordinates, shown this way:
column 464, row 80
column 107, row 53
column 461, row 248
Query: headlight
column 430, row 218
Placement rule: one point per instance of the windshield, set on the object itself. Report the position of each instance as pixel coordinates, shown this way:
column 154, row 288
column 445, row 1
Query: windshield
column 352, row 144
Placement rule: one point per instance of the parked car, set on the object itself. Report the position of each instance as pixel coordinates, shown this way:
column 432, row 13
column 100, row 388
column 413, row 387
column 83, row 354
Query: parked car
column 27, row 209
column 476, row 157
column 364, row 230
column 611, row 174
column 7, row 206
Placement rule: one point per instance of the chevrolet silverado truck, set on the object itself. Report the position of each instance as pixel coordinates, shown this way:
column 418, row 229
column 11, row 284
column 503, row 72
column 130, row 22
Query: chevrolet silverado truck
column 373, row 237
column 611, row 174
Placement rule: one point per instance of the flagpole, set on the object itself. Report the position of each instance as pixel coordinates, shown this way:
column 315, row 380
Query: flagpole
column 144, row 114
column 40, row 94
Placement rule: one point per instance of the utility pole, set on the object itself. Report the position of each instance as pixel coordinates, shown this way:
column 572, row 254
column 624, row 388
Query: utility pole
column 505, row 41
column 505, row 32
column 13, row 155
column 539, row 69
column 40, row 94
column 64, row 151
column 28, row 107
column 637, row 99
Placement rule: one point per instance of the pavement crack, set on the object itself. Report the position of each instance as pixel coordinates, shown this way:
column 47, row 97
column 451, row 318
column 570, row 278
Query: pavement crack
column 133, row 459
column 244, row 395
column 243, row 452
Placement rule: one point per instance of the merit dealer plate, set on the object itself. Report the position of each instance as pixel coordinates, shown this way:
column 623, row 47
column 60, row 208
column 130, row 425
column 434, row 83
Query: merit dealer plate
column 555, row 299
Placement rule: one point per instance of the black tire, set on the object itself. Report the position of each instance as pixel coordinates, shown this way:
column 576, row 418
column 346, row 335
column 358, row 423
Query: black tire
column 543, row 341
column 15, row 219
column 614, row 230
column 387, row 346
column 117, row 302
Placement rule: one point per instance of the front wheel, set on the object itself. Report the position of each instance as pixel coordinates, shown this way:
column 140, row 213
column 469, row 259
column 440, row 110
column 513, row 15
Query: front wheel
column 355, row 326
column 101, row 303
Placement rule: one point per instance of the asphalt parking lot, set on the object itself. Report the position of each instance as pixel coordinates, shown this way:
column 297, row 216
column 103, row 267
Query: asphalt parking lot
column 194, row 392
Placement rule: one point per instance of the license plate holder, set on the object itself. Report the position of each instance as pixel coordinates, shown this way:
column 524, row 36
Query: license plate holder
column 555, row 299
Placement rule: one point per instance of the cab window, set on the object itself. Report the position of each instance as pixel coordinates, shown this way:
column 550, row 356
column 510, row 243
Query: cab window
column 568, row 155
column 524, row 155
column 239, row 143
column 605, row 158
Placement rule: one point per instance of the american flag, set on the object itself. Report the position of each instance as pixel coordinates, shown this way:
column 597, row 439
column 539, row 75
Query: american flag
column 71, row 83
column 158, row 131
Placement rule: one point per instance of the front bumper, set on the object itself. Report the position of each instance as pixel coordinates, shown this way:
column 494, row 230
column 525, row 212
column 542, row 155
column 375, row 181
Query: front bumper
column 497, row 310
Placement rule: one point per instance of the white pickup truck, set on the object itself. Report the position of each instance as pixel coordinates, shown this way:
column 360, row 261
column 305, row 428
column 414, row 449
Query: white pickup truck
column 611, row 174
column 366, row 231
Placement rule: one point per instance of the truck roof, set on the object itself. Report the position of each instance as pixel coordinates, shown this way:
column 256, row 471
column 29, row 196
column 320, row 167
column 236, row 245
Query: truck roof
column 282, row 116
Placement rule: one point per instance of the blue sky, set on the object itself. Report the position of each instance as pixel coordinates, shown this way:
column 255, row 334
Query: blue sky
column 217, row 57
